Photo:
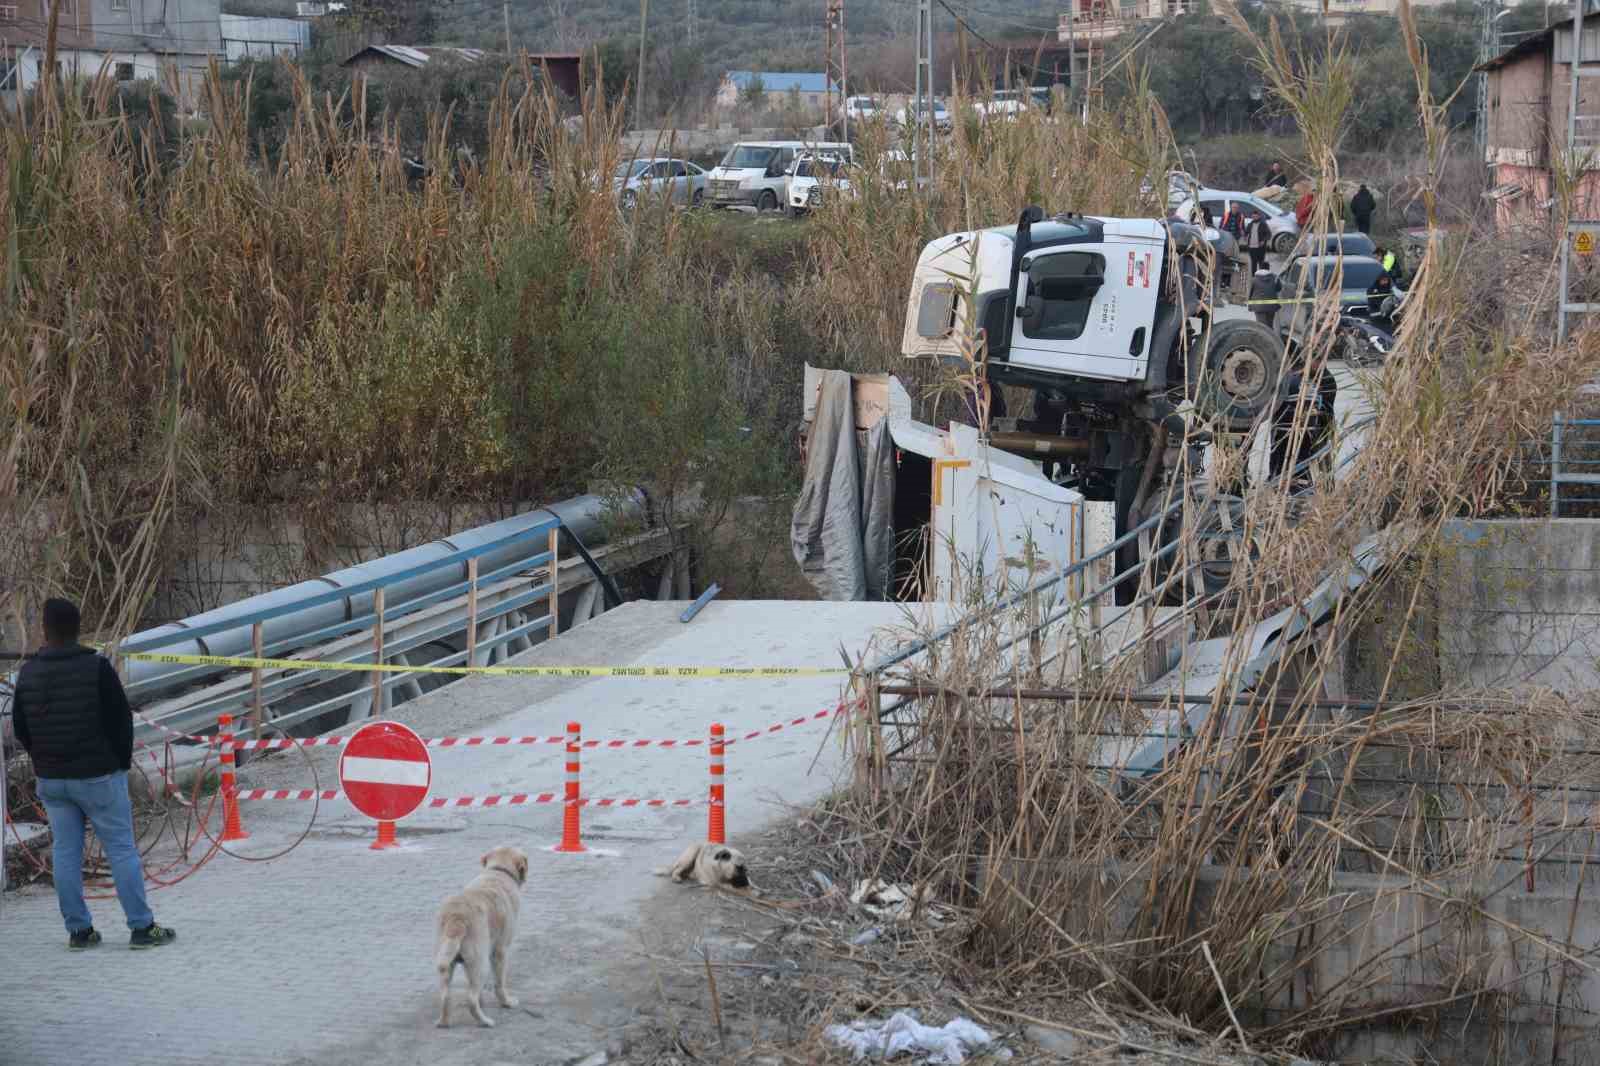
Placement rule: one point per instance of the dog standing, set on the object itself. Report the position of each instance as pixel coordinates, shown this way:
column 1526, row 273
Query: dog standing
column 476, row 928
column 710, row 865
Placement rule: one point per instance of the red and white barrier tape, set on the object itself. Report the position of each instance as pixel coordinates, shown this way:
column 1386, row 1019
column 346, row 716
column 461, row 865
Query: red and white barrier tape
column 474, row 742
column 509, row 799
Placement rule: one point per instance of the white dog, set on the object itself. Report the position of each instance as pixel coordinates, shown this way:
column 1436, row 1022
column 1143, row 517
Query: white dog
column 476, row 928
column 710, row 865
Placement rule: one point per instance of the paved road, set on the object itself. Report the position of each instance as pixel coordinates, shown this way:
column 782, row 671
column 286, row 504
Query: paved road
column 323, row 956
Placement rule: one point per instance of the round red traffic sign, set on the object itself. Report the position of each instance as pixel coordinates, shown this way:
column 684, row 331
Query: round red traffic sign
column 385, row 771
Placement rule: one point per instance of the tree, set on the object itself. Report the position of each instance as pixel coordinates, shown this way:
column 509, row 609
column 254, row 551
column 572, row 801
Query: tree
column 754, row 93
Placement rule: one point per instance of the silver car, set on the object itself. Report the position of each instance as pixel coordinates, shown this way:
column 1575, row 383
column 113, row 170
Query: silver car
column 642, row 179
column 1285, row 230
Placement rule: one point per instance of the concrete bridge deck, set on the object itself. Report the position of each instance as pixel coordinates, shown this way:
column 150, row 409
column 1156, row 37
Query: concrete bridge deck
column 323, row 956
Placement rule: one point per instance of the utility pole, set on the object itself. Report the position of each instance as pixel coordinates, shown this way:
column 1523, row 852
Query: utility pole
column 923, row 147
column 688, row 23
column 1072, row 52
column 505, row 13
column 638, row 107
column 834, row 65
column 1487, row 25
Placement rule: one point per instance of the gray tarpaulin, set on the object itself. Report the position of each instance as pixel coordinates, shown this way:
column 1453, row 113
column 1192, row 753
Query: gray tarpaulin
column 843, row 527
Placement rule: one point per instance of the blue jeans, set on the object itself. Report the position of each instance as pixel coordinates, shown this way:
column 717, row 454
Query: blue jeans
column 103, row 803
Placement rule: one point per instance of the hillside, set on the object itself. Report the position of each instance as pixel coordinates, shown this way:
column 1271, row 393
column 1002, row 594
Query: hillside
column 730, row 34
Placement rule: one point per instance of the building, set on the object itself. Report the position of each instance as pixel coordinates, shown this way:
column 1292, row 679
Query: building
column 1529, row 92
column 565, row 70
column 1086, row 21
column 1093, row 20
column 252, row 37
column 812, row 88
column 171, row 40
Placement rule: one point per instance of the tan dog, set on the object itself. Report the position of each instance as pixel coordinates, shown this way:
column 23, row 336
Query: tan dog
column 476, row 928
column 710, row 865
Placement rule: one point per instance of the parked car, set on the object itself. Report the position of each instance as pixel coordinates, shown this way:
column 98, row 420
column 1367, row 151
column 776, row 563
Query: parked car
column 1008, row 103
column 814, row 176
column 1285, row 230
column 909, row 115
column 862, row 108
column 756, row 173
column 1363, row 287
column 1354, row 243
column 676, row 179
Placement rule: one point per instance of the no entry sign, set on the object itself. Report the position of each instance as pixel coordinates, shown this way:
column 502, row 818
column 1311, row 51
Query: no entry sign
column 385, row 771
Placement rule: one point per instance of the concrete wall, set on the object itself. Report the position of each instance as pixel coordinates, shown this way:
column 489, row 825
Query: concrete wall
column 1518, row 604
column 1453, row 973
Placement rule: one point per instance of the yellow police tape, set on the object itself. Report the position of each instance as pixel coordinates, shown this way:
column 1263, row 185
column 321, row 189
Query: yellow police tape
column 246, row 663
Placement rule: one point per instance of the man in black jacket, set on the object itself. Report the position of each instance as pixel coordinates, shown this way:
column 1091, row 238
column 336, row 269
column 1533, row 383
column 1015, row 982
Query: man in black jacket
column 73, row 719
column 1362, row 204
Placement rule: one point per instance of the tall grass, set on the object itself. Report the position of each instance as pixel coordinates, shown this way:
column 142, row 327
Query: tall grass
column 200, row 325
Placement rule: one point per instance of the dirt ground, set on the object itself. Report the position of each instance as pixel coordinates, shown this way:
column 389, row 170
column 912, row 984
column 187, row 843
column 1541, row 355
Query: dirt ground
column 758, row 977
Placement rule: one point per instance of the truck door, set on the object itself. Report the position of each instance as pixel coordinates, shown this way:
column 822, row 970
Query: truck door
column 1087, row 310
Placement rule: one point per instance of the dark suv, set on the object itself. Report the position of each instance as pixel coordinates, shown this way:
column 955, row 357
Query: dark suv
column 1363, row 285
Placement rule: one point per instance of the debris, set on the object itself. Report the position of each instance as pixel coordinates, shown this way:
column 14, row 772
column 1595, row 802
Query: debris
column 866, row 936
column 823, row 882
column 1055, row 1041
column 902, row 1033
column 893, row 902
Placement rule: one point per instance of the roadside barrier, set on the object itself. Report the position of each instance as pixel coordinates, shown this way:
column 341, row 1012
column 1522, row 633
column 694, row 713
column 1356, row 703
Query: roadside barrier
column 232, row 829
column 716, row 831
column 571, row 795
column 283, row 744
column 570, row 838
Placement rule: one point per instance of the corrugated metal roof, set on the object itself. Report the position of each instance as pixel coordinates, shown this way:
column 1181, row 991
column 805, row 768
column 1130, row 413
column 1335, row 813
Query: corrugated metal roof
column 781, row 81
column 414, row 56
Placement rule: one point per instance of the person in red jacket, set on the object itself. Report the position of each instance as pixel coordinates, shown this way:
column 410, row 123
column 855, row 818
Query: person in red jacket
column 1302, row 208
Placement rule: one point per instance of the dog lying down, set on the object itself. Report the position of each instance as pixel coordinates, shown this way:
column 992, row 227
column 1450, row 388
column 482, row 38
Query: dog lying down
column 710, row 865
column 475, row 931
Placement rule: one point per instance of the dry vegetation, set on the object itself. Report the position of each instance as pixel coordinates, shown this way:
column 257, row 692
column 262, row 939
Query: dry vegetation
column 1215, row 891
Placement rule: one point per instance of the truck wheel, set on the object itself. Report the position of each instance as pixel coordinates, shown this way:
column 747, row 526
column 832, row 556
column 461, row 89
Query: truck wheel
column 1241, row 376
column 1283, row 243
column 768, row 201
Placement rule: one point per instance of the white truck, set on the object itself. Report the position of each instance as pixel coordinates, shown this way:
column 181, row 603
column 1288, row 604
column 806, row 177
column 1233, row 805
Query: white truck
column 1109, row 322
column 756, row 173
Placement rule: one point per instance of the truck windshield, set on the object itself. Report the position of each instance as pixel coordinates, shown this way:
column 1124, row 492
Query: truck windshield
column 748, row 157
column 816, row 168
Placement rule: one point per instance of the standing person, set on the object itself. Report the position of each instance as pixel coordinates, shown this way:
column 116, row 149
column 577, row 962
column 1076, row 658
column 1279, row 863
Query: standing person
column 72, row 717
column 1276, row 177
column 1258, row 238
column 1233, row 220
column 1303, row 206
column 1362, row 204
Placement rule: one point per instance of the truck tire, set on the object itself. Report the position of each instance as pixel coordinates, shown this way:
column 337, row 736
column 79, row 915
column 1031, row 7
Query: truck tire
column 1283, row 243
column 1241, row 376
column 768, row 201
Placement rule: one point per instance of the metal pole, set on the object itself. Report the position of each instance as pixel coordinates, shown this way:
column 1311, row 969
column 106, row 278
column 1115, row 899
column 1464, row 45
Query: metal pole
column 644, row 17
column 1555, row 467
column 555, row 583
column 377, row 654
column 505, row 13
column 932, row 128
column 472, row 611
column 256, row 645
column 1072, row 52
column 924, row 13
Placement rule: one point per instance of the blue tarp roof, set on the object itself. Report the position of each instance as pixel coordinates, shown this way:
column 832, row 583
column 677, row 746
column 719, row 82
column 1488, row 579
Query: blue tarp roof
column 780, row 81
